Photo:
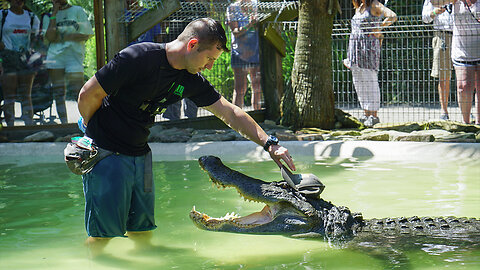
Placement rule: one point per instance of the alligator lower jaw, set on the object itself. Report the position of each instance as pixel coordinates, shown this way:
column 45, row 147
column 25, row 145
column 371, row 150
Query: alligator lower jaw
column 214, row 224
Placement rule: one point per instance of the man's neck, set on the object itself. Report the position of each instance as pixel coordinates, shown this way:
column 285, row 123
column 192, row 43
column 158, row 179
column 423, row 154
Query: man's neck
column 175, row 54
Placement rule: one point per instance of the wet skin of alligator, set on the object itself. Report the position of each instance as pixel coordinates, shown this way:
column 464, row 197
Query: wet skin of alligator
column 288, row 212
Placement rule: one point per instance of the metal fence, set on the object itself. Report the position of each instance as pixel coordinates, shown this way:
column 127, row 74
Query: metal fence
column 408, row 92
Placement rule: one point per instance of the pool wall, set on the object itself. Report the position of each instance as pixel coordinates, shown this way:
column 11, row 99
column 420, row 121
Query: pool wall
column 248, row 151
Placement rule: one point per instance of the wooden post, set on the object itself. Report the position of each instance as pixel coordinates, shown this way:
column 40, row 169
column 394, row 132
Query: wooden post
column 272, row 49
column 151, row 18
column 115, row 32
column 99, row 36
column 272, row 78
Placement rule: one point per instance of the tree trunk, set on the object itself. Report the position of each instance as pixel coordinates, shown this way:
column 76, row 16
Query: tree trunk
column 309, row 102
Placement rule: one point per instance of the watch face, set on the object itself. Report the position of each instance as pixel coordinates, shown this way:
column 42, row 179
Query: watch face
column 273, row 139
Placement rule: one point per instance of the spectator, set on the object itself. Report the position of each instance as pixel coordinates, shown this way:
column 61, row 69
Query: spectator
column 245, row 59
column 466, row 55
column 364, row 54
column 441, row 43
column 118, row 106
column 19, row 27
column 67, row 30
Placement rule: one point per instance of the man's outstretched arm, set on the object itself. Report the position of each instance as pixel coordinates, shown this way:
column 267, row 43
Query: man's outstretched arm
column 244, row 124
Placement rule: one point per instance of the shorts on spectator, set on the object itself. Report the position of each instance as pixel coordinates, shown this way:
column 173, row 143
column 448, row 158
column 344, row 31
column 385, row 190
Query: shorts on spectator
column 68, row 60
column 442, row 62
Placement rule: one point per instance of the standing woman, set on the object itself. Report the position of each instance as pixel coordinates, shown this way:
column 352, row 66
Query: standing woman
column 19, row 28
column 364, row 54
column 466, row 55
column 67, row 30
column 242, row 17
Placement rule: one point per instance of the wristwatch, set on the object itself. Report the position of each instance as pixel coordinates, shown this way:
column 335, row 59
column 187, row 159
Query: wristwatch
column 272, row 140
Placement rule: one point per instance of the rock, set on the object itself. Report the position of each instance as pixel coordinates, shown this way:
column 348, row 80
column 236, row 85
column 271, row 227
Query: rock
column 312, row 131
column 415, row 138
column 212, row 135
column 286, row 135
column 171, row 135
column 310, row 137
column 452, row 126
column 457, row 137
column 375, row 136
column 403, row 127
column 41, row 136
column 345, row 132
column 346, row 120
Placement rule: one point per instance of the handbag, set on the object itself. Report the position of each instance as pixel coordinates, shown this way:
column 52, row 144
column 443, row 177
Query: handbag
column 81, row 155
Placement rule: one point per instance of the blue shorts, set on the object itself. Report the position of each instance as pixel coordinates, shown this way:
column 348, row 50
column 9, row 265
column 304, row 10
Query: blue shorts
column 115, row 199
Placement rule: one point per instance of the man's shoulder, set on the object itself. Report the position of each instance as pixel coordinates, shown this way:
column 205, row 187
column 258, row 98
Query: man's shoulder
column 145, row 49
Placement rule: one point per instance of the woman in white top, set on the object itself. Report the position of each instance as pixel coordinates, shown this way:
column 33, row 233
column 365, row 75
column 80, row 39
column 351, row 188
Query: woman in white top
column 466, row 55
column 19, row 27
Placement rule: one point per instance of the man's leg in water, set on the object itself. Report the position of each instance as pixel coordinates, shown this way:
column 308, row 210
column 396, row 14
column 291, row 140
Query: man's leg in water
column 96, row 245
column 142, row 240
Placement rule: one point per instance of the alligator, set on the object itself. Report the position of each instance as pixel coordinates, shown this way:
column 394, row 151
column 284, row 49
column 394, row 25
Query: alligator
column 290, row 213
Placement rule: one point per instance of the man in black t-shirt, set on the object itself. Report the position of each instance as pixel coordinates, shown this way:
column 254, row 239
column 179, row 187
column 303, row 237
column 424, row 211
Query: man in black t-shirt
column 118, row 106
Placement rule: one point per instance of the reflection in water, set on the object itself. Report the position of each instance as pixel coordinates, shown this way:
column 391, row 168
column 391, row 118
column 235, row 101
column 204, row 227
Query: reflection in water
column 41, row 218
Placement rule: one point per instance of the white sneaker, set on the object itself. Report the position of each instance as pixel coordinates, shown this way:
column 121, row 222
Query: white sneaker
column 363, row 118
column 371, row 121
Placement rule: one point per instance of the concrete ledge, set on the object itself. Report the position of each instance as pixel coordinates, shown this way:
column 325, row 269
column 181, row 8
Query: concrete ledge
column 243, row 151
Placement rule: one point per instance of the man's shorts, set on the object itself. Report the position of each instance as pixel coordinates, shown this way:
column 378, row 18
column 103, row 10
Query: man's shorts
column 442, row 62
column 69, row 60
column 115, row 197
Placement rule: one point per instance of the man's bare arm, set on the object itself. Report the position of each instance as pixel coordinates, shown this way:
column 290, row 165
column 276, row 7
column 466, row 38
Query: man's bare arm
column 90, row 98
column 244, row 124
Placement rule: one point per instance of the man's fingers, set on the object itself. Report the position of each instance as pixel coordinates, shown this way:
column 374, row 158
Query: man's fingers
column 281, row 153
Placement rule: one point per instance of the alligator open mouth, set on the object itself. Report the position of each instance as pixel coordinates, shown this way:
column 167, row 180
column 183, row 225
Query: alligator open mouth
column 282, row 210
column 264, row 216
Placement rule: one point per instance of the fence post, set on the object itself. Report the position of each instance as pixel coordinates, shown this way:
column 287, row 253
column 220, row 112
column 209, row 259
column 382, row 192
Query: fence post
column 271, row 70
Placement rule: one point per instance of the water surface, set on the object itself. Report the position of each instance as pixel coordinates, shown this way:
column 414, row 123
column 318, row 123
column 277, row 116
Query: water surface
column 41, row 217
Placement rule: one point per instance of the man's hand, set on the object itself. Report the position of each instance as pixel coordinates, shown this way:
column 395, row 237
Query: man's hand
column 278, row 152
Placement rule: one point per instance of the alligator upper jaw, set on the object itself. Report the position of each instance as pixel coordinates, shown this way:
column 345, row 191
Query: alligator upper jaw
column 222, row 176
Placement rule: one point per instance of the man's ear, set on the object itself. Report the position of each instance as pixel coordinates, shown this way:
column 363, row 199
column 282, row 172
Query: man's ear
column 192, row 44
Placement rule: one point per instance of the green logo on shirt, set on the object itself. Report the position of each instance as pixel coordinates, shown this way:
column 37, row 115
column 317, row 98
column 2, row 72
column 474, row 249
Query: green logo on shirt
column 179, row 90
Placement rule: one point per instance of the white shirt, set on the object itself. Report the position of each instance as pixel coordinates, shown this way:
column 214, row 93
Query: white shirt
column 16, row 30
column 69, row 21
column 466, row 32
column 442, row 22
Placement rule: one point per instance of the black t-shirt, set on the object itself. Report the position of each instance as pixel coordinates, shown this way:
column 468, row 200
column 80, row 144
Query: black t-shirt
column 137, row 76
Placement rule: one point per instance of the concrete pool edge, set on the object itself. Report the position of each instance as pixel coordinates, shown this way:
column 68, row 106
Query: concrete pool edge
column 248, row 151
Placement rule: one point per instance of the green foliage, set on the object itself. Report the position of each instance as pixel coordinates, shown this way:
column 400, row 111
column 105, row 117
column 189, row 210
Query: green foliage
column 90, row 61
column 221, row 76
column 287, row 62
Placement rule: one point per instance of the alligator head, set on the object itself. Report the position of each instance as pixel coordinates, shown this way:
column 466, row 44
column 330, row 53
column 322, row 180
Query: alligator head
column 286, row 211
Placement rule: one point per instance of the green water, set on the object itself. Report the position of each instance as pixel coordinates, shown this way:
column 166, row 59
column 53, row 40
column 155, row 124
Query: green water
column 41, row 217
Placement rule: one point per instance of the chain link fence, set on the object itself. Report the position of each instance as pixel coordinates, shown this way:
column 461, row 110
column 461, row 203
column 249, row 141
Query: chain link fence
column 408, row 92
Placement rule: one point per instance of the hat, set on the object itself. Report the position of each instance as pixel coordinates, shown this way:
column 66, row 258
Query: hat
column 307, row 184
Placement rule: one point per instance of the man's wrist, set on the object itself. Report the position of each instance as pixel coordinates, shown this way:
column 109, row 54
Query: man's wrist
column 272, row 140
